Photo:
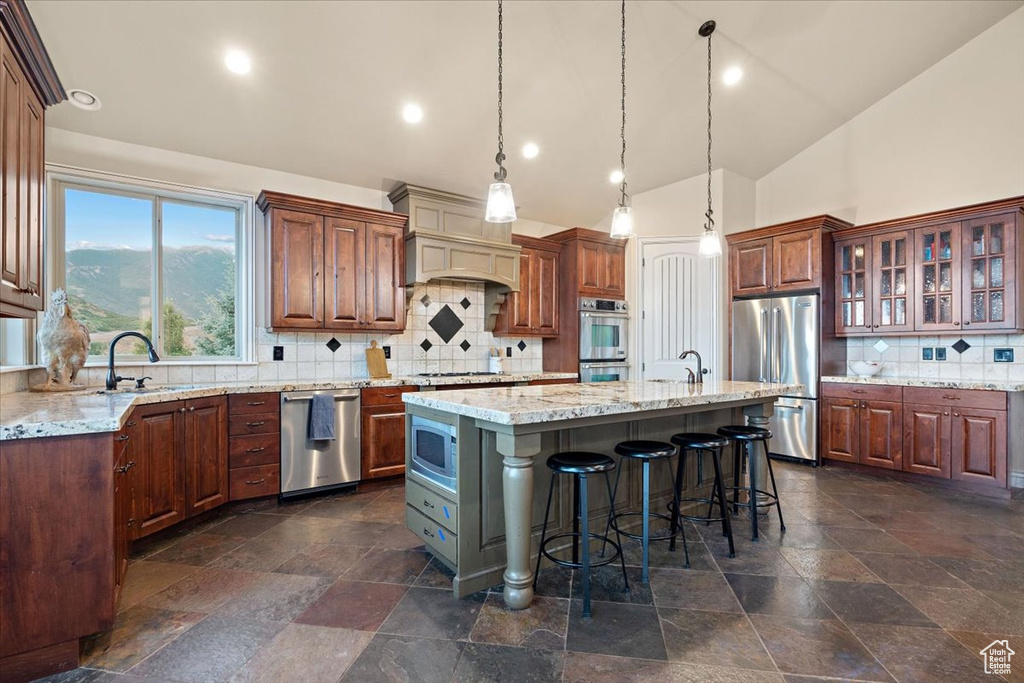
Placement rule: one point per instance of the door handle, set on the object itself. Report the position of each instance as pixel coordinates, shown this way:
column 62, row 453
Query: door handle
column 776, row 343
column 764, row 345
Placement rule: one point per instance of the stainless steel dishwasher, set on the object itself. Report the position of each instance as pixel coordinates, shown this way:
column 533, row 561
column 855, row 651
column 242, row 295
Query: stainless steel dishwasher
column 308, row 465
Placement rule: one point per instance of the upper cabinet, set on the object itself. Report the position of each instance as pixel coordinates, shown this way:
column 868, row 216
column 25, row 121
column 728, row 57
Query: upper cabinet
column 781, row 258
column 28, row 84
column 533, row 310
column 594, row 264
column 334, row 266
column 950, row 272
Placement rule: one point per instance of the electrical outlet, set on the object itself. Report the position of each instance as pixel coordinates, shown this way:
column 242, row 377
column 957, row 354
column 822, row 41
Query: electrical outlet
column 387, row 352
column 927, row 353
column 278, row 353
column 1002, row 355
column 940, row 353
column 508, row 352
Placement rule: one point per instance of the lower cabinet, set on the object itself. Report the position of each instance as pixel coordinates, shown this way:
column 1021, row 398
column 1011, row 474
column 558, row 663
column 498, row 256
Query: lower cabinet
column 862, row 425
column 382, row 432
column 206, row 454
column 124, row 491
column 978, row 446
column 926, row 438
column 254, row 445
column 881, row 434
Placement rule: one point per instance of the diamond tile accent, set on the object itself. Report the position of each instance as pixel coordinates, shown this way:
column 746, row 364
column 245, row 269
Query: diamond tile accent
column 880, row 346
column 333, row 345
column 465, row 303
column 446, row 323
column 960, row 346
column 425, row 300
column 465, row 345
column 521, row 345
column 426, row 345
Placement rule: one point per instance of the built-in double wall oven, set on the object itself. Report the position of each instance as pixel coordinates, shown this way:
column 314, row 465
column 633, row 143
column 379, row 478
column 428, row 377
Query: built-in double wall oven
column 604, row 335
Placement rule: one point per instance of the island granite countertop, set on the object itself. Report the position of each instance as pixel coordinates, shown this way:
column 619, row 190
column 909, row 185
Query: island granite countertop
column 552, row 403
column 978, row 384
column 30, row 415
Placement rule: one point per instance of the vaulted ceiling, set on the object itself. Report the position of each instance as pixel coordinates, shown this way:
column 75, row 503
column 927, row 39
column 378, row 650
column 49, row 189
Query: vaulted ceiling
column 329, row 80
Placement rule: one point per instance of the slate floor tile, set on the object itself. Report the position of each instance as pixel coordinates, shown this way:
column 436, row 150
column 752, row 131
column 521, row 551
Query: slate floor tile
column 868, row 540
column 275, row 597
column 588, row 668
column 198, row 549
column 437, row 575
column 328, row 560
column 828, row 565
column 690, row 589
column 321, row 655
column 713, row 638
column 606, row 583
column 784, row 596
column 661, row 556
column 433, row 613
column 353, row 605
column 389, row 566
column 245, row 526
column 138, row 632
column 765, row 560
column 146, row 578
column 543, row 626
column 404, row 659
column 870, row 603
column 987, row 575
column 976, row 642
column 259, row 555
column 921, row 654
column 958, row 609
column 202, row 591
column 942, row 545
column 802, row 536
column 299, row 529
column 485, row 663
column 908, row 570
column 616, row 629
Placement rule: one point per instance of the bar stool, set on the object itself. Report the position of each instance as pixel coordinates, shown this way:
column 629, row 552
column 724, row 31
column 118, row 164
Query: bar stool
column 701, row 444
column 579, row 465
column 647, row 452
column 743, row 438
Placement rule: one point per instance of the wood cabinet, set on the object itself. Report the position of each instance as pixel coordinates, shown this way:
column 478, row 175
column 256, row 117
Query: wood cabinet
column 533, row 310
column 206, row 454
column 254, row 445
column 862, row 424
column 383, row 432
column 334, row 266
column 881, row 434
column 124, row 493
column 926, row 440
column 28, row 84
column 950, row 272
column 750, row 264
column 601, row 265
column 978, row 446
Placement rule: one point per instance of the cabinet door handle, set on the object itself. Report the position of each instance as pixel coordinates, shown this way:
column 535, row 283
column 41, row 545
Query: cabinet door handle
column 129, row 465
column 131, row 522
column 428, row 532
column 859, row 391
column 256, row 424
column 129, row 423
column 255, row 403
column 254, row 483
column 951, row 398
column 255, row 450
column 123, row 437
column 428, row 504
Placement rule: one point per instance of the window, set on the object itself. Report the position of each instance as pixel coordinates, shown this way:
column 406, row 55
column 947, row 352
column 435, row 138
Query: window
column 164, row 264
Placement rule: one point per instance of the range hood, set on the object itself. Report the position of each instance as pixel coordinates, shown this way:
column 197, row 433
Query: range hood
column 448, row 239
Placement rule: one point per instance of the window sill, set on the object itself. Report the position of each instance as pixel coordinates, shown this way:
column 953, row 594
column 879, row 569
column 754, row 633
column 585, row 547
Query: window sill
column 142, row 360
column 19, row 368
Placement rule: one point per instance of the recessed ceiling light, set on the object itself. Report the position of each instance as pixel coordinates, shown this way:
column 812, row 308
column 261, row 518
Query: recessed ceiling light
column 237, row 62
column 530, row 150
column 412, row 113
column 732, row 75
column 616, row 177
column 83, row 99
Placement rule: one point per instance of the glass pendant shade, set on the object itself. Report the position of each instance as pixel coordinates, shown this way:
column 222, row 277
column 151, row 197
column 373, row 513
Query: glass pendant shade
column 710, row 244
column 501, row 207
column 622, row 222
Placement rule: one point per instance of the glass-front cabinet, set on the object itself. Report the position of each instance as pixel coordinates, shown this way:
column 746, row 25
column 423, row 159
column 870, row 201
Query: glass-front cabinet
column 988, row 282
column 938, row 278
column 892, row 303
column 853, row 285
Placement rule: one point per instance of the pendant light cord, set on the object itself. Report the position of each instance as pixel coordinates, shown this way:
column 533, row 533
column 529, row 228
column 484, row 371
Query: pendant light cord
column 500, row 174
column 623, row 201
column 710, row 225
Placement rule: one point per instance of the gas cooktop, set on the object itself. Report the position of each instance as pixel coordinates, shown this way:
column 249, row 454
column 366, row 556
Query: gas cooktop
column 455, row 374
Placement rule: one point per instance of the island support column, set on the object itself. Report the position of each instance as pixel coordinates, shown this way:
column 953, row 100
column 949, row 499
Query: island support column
column 517, row 488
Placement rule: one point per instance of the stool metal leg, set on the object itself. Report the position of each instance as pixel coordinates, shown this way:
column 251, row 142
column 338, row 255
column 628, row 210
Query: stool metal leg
column 752, row 466
column 677, row 521
column 544, row 529
column 720, row 488
column 585, row 536
column 737, row 461
column 676, row 486
column 775, row 490
column 645, row 574
column 611, row 511
column 618, row 537
column 576, row 518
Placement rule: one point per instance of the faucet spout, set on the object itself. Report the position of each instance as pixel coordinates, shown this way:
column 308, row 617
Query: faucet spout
column 112, row 377
column 700, row 368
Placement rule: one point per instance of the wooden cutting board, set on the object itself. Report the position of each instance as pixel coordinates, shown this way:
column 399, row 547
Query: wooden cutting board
column 376, row 363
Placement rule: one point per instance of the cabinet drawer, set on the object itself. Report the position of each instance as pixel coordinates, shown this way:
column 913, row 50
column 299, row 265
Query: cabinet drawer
column 956, row 398
column 258, row 449
column 382, row 396
column 253, row 482
column 246, row 404
column 256, row 423
column 438, row 539
column 862, row 392
column 428, row 503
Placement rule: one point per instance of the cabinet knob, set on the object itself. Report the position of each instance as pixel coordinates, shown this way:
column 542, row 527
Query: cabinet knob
column 946, row 413
column 956, row 323
column 967, row 322
column 191, row 409
column 131, row 522
column 181, row 410
column 956, row 414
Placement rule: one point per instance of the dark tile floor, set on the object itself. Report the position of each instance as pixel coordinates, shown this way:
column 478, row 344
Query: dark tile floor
column 873, row 580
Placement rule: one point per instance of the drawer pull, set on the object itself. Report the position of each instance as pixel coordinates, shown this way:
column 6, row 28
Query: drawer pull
column 951, row 398
column 860, row 391
column 255, row 403
column 256, row 424
column 428, row 504
column 255, row 450
column 428, row 532
column 254, row 483
column 395, row 395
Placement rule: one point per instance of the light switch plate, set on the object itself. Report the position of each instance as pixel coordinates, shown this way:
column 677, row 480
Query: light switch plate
column 1002, row 355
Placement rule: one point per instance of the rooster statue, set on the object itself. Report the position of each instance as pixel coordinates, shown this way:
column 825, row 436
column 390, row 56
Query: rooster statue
column 64, row 342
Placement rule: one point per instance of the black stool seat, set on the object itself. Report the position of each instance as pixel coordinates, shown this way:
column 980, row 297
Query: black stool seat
column 744, row 433
column 581, row 462
column 645, row 449
column 696, row 440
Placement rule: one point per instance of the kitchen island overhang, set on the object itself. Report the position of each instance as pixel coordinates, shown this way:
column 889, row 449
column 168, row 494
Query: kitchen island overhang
column 483, row 529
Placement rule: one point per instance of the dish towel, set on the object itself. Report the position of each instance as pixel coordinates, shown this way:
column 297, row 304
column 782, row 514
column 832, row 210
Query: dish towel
column 321, row 417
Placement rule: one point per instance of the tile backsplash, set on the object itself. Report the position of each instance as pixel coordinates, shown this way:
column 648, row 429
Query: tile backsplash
column 455, row 342
column 972, row 359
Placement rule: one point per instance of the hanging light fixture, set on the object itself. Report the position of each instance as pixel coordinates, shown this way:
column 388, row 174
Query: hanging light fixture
column 710, row 242
column 622, row 217
column 501, row 207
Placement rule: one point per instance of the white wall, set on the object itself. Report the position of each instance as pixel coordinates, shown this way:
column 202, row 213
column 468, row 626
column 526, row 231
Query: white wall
column 952, row 136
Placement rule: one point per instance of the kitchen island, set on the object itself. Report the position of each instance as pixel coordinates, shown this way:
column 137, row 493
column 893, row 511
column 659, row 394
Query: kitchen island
column 484, row 527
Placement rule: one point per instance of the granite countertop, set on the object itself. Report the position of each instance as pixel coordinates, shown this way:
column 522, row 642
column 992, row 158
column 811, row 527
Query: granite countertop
column 29, row 414
column 982, row 384
column 531, row 405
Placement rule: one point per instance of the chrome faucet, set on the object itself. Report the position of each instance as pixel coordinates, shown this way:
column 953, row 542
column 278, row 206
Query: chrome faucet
column 692, row 378
column 112, row 377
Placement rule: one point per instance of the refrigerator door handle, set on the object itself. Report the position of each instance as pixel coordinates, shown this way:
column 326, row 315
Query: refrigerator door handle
column 763, row 351
column 776, row 343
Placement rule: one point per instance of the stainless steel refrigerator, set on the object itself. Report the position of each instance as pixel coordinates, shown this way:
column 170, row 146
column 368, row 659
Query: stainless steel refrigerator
column 777, row 340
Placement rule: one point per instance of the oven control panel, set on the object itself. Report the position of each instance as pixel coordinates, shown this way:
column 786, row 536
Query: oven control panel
column 602, row 305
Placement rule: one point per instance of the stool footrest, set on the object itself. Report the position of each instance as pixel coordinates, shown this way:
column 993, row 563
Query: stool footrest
column 578, row 565
column 772, row 499
column 698, row 518
column 614, row 523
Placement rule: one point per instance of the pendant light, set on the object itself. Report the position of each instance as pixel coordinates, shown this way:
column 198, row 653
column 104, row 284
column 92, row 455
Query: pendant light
column 710, row 242
column 501, row 207
column 622, row 217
